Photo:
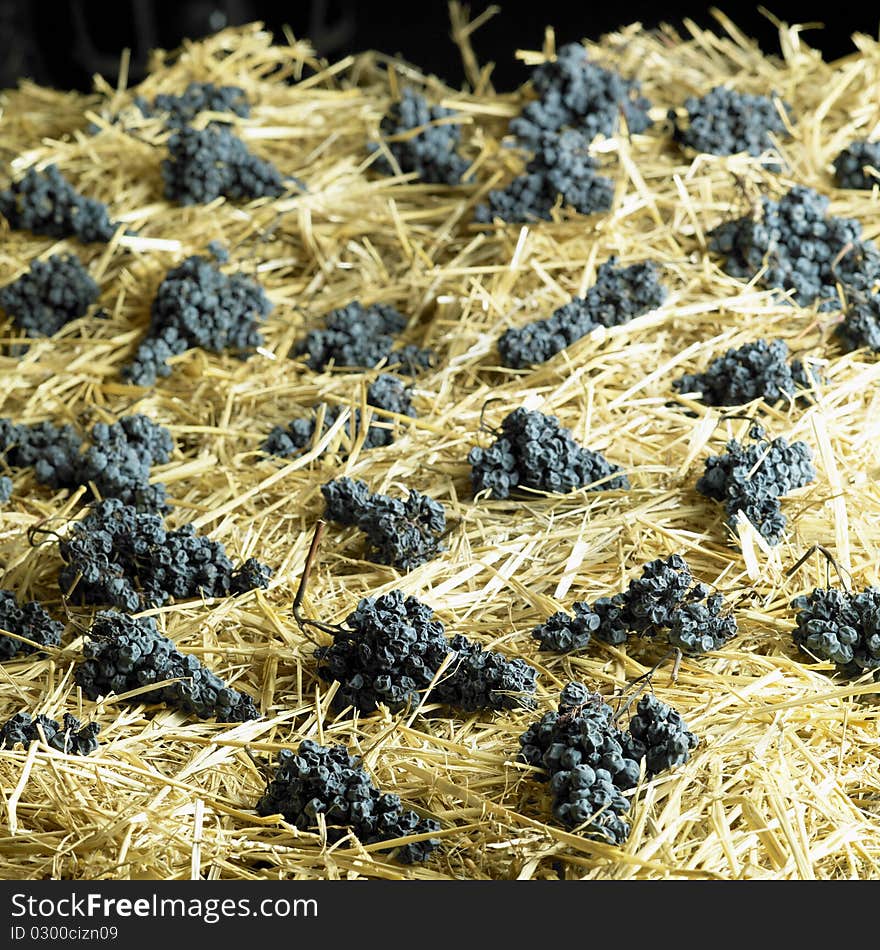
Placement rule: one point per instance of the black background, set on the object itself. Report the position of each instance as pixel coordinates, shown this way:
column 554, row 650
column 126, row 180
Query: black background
column 65, row 43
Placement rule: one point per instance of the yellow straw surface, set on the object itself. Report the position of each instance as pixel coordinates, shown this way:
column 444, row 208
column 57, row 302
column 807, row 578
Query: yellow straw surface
column 785, row 782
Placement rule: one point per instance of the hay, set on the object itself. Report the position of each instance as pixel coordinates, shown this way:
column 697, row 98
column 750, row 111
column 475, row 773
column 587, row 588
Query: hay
column 786, row 780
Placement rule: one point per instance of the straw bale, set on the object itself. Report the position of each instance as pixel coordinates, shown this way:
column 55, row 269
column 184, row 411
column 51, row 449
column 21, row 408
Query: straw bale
column 785, row 782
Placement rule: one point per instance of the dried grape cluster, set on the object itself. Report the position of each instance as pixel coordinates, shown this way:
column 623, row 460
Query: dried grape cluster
column 73, row 737
column 180, row 110
column 589, row 762
column 402, row 533
column 27, row 620
column 480, row 679
column 574, row 92
column 51, row 294
column 796, row 246
column 44, row 202
column 124, row 653
column 850, row 166
column 534, row 451
column 726, row 122
column 362, row 337
column 116, row 463
column 198, row 305
column 204, row 164
column 561, row 171
column 841, row 627
column 620, row 294
column 752, row 479
column 390, row 649
column 431, row 152
column 658, row 734
column 322, row 780
column 758, row 370
column 385, row 392
column 53, row 452
column 119, row 556
column 860, row 326
column 664, row 597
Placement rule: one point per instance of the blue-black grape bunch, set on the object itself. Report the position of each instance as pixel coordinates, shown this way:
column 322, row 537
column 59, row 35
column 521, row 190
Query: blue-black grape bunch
column 533, row 451
column 29, row 620
column 620, row 294
column 401, row 532
column 573, row 92
column 385, row 392
column 841, row 627
column 852, row 164
column 327, row 780
column 752, row 479
column 860, row 326
column 432, row 151
column 205, row 164
column 128, row 559
column 114, row 460
column 726, row 122
column 45, row 202
column 577, row 100
column 390, row 649
column 180, row 110
column 124, row 653
column 361, row 337
column 665, row 598
column 758, row 370
column 72, row 738
column 561, row 172
column 51, row 294
column 797, row 246
column 198, row 305
column 589, row 762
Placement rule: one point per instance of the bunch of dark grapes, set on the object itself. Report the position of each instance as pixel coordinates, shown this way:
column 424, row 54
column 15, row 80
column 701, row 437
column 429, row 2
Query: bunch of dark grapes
column 204, row 164
column 362, row 337
column 658, row 734
column 198, row 97
column 401, row 532
column 72, row 738
column 758, row 370
column 561, row 171
column 432, row 151
column 589, row 762
column 478, row 679
column 860, row 326
column 664, row 598
column 752, row 480
column 44, row 202
column 124, row 653
column 726, row 122
column 391, row 648
column 852, row 164
column 51, row 294
column 619, row 295
column 841, row 627
column 798, row 247
column 29, row 620
column 125, row 558
column 385, row 392
column 115, row 464
column 321, row 780
column 198, row 305
column 574, row 92
column 534, row 451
